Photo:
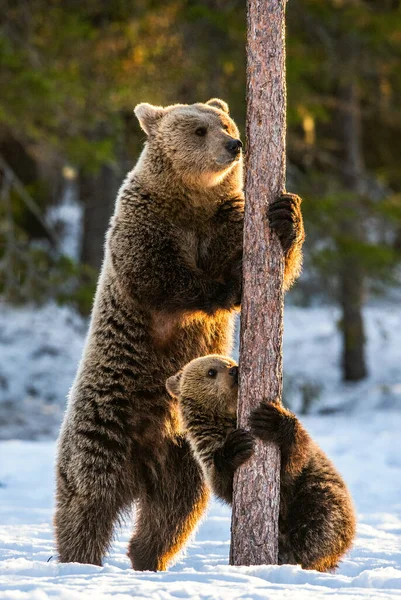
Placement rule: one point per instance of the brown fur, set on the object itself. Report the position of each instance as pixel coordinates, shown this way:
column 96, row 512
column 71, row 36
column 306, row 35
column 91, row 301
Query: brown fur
column 317, row 520
column 167, row 293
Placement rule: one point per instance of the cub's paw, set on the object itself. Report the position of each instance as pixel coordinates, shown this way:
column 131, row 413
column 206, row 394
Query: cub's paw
column 286, row 220
column 238, row 448
column 271, row 422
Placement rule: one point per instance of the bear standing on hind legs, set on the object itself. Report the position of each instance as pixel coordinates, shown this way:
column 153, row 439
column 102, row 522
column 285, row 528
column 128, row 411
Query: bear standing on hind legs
column 167, row 293
column 316, row 519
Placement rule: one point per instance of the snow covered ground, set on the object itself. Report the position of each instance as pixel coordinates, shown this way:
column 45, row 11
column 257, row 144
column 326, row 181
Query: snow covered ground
column 312, row 354
column 366, row 449
column 39, row 352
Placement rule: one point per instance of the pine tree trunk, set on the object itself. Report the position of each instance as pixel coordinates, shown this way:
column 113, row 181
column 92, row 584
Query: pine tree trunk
column 256, row 495
column 351, row 271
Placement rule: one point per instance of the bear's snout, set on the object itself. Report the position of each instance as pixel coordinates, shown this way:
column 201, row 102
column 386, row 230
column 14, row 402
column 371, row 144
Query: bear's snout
column 234, row 146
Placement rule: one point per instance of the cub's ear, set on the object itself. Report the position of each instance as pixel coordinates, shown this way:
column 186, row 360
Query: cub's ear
column 148, row 116
column 173, row 384
column 220, row 104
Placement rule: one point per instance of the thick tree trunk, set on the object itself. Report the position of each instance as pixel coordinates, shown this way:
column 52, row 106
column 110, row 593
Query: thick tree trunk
column 256, row 496
column 351, row 272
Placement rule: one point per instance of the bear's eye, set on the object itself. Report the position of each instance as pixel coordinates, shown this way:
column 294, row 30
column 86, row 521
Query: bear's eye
column 201, row 131
column 226, row 128
column 212, row 373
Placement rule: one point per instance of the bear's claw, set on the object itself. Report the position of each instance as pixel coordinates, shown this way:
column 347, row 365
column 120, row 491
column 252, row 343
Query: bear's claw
column 272, row 422
column 238, row 447
column 285, row 218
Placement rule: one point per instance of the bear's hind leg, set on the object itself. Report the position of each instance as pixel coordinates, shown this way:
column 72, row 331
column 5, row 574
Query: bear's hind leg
column 321, row 520
column 84, row 529
column 88, row 507
column 169, row 513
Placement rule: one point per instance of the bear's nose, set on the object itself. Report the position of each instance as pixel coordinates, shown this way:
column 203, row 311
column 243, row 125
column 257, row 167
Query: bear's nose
column 234, row 373
column 234, row 146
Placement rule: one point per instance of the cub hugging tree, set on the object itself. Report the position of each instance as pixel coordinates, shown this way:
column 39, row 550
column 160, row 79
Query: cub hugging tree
column 316, row 519
column 167, row 293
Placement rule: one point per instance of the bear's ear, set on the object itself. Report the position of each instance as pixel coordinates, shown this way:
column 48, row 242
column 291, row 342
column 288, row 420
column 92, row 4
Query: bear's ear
column 173, row 384
column 220, row 104
column 148, row 116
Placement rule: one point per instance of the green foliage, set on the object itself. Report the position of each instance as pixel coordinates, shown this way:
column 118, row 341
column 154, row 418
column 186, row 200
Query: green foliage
column 327, row 210
column 31, row 269
column 81, row 65
column 72, row 73
column 39, row 274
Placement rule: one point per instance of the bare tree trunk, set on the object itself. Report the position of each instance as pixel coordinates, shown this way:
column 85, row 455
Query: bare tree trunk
column 351, row 271
column 256, row 496
column 98, row 192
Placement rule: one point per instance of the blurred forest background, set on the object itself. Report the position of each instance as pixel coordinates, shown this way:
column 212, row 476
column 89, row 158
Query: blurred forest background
column 71, row 74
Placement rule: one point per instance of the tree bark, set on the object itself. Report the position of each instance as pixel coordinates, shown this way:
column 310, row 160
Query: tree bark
column 351, row 270
column 256, row 497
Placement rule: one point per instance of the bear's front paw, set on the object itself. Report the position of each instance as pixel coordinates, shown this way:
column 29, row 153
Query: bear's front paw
column 271, row 422
column 285, row 218
column 238, row 448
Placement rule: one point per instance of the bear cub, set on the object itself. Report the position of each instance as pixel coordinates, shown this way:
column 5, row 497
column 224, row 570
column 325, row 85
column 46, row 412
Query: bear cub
column 316, row 519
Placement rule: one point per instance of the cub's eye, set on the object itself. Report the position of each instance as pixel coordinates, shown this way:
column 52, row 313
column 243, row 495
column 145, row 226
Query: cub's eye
column 201, row 131
column 226, row 128
column 212, row 373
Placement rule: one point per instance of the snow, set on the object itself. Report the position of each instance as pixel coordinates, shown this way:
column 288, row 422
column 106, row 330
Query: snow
column 39, row 352
column 366, row 449
column 358, row 426
column 66, row 218
column 312, row 349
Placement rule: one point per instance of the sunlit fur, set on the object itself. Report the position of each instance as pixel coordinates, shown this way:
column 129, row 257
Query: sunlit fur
column 167, row 293
column 317, row 519
column 198, row 162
